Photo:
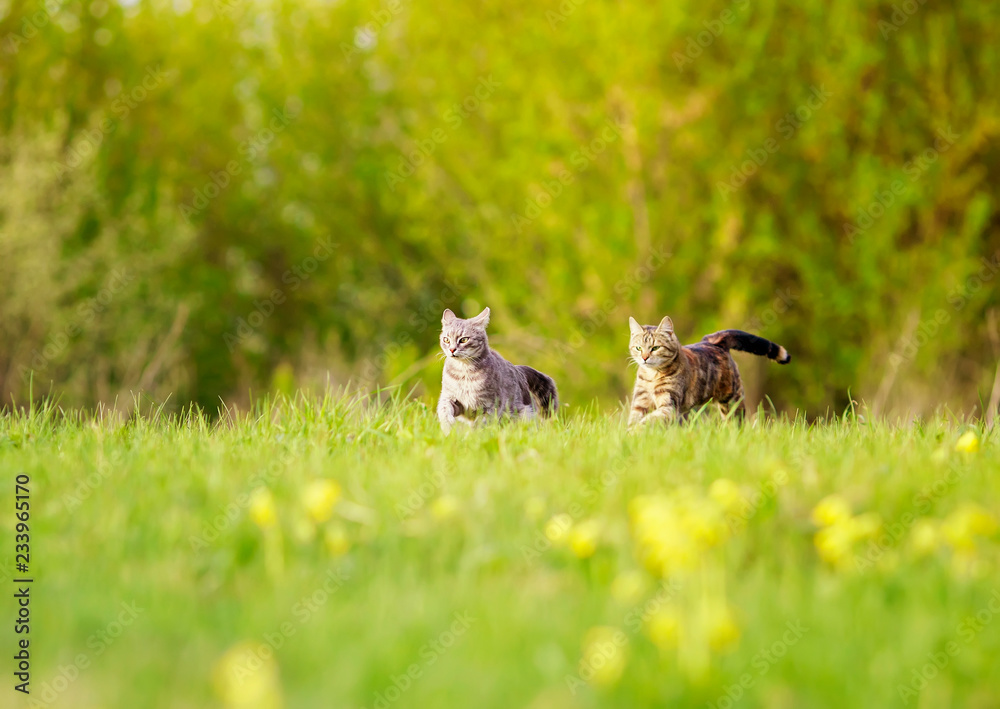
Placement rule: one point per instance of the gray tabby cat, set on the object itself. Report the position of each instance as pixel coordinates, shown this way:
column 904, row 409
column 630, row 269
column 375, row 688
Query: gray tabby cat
column 478, row 380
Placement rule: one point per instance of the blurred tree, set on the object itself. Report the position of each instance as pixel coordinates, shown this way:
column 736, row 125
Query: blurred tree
column 306, row 185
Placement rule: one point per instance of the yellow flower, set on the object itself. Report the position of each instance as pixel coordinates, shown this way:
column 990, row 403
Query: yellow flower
column 335, row 538
column 319, row 498
column 262, row 510
column 924, row 538
column 583, row 538
column 968, row 443
column 727, row 494
column 628, row 587
column 558, row 528
column 723, row 630
column 864, row 526
column 247, row 678
column 663, row 628
column 670, row 550
column 704, row 522
column 834, row 543
column 830, row 510
column 663, row 535
column 605, row 652
column 445, row 507
column 968, row 521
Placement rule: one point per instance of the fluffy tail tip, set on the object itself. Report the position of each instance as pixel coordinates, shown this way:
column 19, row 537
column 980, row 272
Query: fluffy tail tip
column 783, row 356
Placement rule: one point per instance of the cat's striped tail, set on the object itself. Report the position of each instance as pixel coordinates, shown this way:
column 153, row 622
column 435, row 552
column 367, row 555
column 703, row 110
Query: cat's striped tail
column 543, row 387
column 745, row 342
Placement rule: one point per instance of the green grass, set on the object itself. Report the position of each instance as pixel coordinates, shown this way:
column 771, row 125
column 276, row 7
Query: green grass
column 441, row 529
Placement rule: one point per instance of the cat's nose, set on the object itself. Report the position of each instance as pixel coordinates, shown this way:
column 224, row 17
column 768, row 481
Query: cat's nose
column 645, row 357
column 453, row 350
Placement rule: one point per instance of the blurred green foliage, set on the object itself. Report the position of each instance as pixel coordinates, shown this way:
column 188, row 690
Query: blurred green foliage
column 248, row 598
column 200, row 200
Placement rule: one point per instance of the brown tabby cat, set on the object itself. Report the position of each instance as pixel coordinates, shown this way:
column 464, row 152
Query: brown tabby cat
column 674, row 379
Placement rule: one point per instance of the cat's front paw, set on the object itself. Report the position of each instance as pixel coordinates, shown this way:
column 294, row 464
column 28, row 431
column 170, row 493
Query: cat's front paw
column 635, row 418
column 663, row 418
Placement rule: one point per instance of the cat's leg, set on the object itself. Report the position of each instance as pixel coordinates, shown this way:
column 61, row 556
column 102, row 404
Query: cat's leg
column 642, row 402
column 448, row 411
column 636, row 415
column 732, row 409
column 736, row 406
column 526, row 413
column 504, row 411
column 665, row 413
column 491, row 413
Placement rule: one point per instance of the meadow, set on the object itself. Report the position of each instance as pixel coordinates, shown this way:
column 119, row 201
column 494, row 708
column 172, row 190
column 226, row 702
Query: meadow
column 341, row 552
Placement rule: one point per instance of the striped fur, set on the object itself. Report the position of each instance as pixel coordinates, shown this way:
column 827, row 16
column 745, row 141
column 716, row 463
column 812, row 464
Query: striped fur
column 745, row 342
column 673, row 379
column 477, row 380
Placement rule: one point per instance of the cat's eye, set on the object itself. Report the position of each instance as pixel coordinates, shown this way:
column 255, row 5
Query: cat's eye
column 653, row 349
column 446, row 340
column 638, row 348
column 463, row 340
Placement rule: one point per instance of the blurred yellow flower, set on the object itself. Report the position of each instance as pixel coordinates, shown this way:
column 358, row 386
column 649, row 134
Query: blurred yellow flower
column 864, row 526
column 605, row 652
column 246, row 677
column 705, row 523
column 967, row 443
column 262, row 510
column 723, row 630
column 835, row 542
column 557, row 528
column 663, row 627
column 726, row 494
column 831, row 510
column 924, row 537
column 671, row 532
column 583, row 538
column 445, row 507
column 319, row 498
column 336, row 541
column 967, row 522
column 628, row 587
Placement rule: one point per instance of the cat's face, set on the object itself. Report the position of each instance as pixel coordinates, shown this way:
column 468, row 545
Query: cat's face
column 464, row 339
column 653, row 346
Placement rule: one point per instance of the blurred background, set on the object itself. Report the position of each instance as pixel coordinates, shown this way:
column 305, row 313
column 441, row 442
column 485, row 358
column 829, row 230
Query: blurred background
column 211, row 201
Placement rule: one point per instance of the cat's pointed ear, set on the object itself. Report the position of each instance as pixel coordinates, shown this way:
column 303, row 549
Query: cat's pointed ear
column 634, row 326
column 666, row 325
column 447, row 316
column 482, row 320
